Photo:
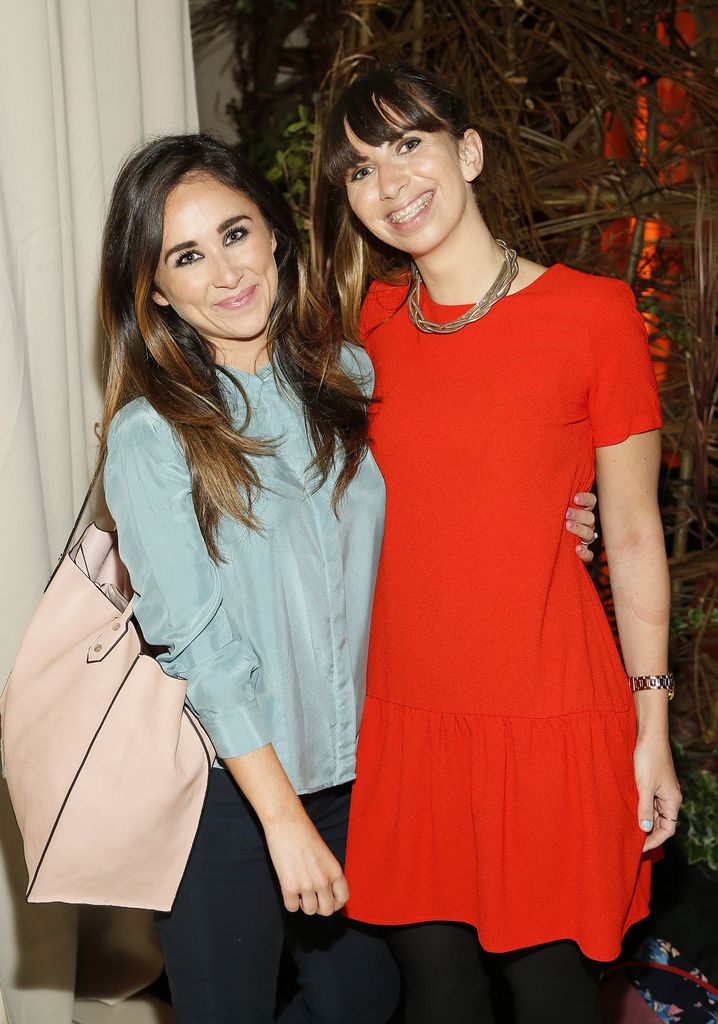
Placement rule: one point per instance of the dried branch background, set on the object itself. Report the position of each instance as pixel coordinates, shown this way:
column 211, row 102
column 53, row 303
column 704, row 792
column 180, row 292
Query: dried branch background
column 600, row 121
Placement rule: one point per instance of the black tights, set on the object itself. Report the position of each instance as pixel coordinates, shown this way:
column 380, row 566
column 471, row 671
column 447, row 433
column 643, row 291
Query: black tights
column 446, row 981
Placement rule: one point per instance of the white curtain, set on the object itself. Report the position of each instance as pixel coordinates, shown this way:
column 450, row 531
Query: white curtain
column 83, row 81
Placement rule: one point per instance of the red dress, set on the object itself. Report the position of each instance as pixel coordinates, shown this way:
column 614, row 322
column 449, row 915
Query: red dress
column 495, row 780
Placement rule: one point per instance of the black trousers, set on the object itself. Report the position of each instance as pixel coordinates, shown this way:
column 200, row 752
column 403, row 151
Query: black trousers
column 224, row 936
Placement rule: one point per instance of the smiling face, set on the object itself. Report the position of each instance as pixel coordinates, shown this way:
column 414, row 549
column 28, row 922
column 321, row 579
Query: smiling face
column 414, row 192
column 217, row 267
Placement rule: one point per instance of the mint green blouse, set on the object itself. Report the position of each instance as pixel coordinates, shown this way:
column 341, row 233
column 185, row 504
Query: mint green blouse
column 272, row 641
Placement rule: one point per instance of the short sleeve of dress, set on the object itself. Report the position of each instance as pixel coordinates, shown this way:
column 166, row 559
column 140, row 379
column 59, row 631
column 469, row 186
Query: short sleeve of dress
column 178, row 599
column 623, row 395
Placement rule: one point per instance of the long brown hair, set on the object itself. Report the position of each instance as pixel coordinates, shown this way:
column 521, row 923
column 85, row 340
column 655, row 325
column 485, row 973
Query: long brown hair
column 380, row 106
column 155, row 354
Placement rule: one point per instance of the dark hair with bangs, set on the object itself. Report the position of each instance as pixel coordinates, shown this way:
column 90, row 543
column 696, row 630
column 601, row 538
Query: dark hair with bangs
column 380, row 106
column 156, row 354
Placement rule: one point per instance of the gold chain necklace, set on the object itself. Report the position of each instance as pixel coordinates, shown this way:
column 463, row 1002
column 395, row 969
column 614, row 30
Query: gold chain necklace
column 497, row 291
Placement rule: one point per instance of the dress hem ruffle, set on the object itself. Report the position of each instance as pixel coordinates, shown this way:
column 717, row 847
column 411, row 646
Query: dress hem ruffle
column 529, row 825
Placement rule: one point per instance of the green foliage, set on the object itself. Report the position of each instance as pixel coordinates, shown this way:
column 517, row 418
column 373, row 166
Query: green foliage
column 698, row 829
column 672, row 322
column 282, row 49
column 695, row 619
column 291, row 169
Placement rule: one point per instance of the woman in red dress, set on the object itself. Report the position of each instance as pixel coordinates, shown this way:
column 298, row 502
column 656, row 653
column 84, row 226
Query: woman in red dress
column 511, row 778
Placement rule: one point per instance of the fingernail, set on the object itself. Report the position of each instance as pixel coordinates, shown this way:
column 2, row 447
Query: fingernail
column 577, row 498
column 570, row 514
column 646, row 825
column 571, row 526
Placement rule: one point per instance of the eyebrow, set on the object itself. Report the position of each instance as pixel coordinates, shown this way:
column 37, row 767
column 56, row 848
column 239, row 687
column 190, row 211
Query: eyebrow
column 357, row 159
column 220, row 228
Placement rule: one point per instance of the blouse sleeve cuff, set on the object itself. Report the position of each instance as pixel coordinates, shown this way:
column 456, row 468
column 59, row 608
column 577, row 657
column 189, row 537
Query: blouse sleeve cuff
column 236, row 732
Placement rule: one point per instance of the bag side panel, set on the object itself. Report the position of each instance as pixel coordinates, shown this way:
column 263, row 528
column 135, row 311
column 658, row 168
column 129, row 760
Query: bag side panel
column 127, row 829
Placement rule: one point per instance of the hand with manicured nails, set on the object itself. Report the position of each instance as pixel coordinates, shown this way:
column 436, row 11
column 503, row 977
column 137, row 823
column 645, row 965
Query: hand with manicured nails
column 581, row 522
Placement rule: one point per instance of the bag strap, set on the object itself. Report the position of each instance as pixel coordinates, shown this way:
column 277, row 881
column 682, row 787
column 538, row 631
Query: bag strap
column 73, row 531
column 653, row 965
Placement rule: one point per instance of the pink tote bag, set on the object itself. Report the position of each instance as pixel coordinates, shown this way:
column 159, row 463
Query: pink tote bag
column 106, row 767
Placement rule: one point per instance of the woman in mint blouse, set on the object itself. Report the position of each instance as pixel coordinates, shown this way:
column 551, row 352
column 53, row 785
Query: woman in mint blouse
column 273, row 640
column 249, row 513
